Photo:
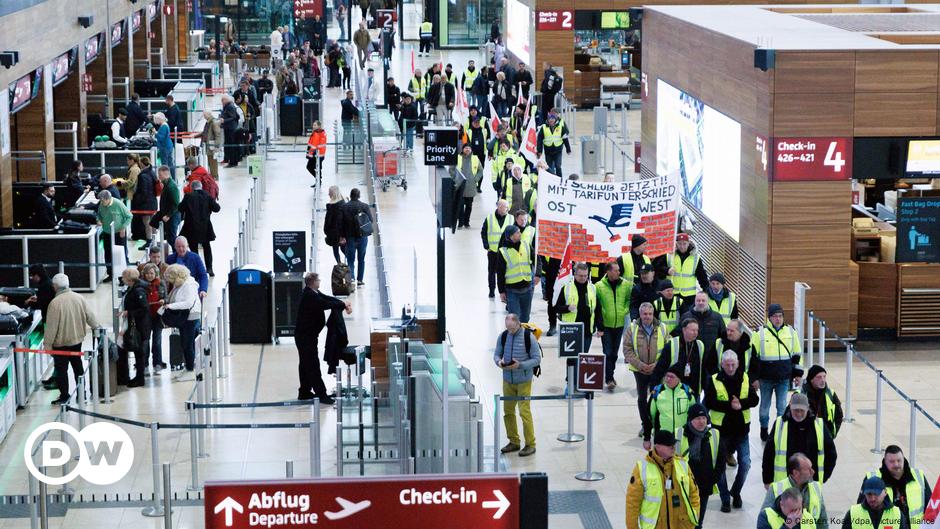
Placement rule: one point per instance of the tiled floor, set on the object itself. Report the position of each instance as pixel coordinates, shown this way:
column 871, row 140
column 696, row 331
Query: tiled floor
column 268, row 373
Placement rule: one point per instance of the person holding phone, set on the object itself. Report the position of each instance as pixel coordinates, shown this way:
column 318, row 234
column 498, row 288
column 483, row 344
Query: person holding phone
column 518, row 354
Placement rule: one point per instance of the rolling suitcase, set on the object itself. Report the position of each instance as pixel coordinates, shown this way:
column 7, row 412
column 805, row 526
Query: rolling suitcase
column 176, row 349
column 341, row 280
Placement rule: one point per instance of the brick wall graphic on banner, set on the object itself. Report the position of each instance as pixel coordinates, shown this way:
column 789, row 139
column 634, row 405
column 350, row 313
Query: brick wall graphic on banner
column 603, row 217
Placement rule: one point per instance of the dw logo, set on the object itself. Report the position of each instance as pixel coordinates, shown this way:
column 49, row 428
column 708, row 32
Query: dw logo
column 105, row 453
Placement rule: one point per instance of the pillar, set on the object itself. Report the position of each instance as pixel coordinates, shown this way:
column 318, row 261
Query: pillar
column 34, row 131
column 70, row 103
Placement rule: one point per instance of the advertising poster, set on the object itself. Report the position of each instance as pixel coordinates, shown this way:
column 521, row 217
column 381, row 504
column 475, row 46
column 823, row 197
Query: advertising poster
column 701, row 147
column 517, row 29
column 290, row 251
column 600, row 218
column 918, row 230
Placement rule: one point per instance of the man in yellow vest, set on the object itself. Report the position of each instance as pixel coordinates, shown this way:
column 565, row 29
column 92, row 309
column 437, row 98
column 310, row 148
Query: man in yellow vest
column 781, row 363
column 876, row 510
column 730, row 397
column 470, row 171
column 578, row 303
column 787, row 512
column 466, row 82
column 426, row 34
column 906, row 487
column 613, row 296
column 669, row 404
column 667, row 305
column 418, row 87
column 662, row 493
column 800, row 476
column 632, row 261
column 685, row 268
column 515, row 273
column 552, row 135
column 720, row 299
column 645, row 338
column 823, row 402
column 516, row 186
column 491, row 233
column 686, row 351
column 701, row 446
column 798, row 431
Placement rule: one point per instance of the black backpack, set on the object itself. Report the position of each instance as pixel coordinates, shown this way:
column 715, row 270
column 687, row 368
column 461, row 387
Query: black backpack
column 537, row 370
column 365, row 223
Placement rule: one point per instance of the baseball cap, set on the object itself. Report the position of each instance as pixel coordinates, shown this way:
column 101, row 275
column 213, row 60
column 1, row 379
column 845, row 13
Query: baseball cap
column 873, row 485
column 799, row 401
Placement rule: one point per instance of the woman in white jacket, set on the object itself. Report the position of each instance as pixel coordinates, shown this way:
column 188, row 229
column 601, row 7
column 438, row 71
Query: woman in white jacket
column 184, row 296
column 277, row 41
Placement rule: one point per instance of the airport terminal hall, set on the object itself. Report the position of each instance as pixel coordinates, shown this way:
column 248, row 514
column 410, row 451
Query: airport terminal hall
column 469, row 264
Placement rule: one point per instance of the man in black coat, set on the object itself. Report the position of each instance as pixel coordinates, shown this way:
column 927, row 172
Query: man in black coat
column 44, row 216
column 135, row 115
column 229, row 127
column 310, row 321
column 196, row 209
column 711, row 326
column 523, row 79
column 172, row 114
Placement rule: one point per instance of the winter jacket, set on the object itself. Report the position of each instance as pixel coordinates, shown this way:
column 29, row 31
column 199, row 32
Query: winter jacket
column 185, row 297
column 732, row 424
column 196, row 209
column 670, row 516
column 68, row 317
column 710, row 326
column 642, row 293
column 209, row 184
column 515, row 349
column 145, row 197
column 333, row 222
column 801, row 437
column 336, row 340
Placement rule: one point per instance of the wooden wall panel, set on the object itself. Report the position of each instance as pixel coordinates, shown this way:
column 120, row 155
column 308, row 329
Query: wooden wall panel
column 895, row 114
column 141, row 41
column 800, row 72
column 918, row 276
column 6, row 191
column 896, row 71
column 30, row 135
column 830, row 286
column 557, row 48
column 100, row 84
column 824, row 114
column 811, row 203
column 182, row 32
column 877, row 306
column 829, row 244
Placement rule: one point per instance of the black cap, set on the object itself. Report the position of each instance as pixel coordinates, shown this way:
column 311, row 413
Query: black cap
column 717, row 276
column 664, row 285
column 664, row 438
column 511, row 230
column 675, row 369
column 646, row 268
column 815, row 370
column 637, row 240
column 774, row 308
column 697, row 410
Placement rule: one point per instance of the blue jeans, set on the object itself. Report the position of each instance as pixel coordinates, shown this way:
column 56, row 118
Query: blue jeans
column 171, row 228
column 167, row 157
column 610, row 342
column 188, row 333
column 743, row 448
column 409, row 137
column 354, row 246
column 156, row 342
column 768, row 388
column 554, row 162
column 519, row 302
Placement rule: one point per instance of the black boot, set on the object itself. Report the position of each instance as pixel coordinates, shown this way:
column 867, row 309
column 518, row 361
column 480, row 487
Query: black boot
column 763, row 434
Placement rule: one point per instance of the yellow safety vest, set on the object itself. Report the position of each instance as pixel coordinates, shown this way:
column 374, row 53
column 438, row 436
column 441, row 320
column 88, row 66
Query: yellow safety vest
column 830, row 419
column 812, row 495
column 528, row 236
column 721, row 393
column 674, row 352
column 427, row 30
column 615, row 302
column 727, row 305
column 518, row 264
column 452, row 78
column 474, row 164
column 713, row 437
column 913, row 491
column 571, row 296
column 469, row 77
column 526, row 184
column 551, row 138
column 776, row 521
column 890, row 518
column 483, row 122
column 654, row 488
column 660, row 339
column 720, row 349
column 495, row 229
column 627, row 259
column 780, row 449
column 683, row 280
column 777, row 345
column 668, row 316
column 418, row 87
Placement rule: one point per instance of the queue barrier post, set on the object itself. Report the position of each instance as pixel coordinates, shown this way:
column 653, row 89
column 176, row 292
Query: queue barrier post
column 33, row 502
column 155, row 510
column 65, row 489
column 848, row 382
column 822, row 345
column 480, row 444
column 202, row 418
column 912, row 456
column 193, row 452
column 93, row 364
column 496, row 434
column 289, row 469
column 339, row 445
column 570, row 436
column 80, row 394
column 315, row 438
column 43, row 506
column 879, row 378
column 809, row 337
column 167, row 498
column 106, row 349
column 589, row 474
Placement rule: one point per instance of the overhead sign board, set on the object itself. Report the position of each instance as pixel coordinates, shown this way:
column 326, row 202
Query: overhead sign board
column 918, row 230
column 455, row 501
column 591, row 372
column 441, row 146
column 308, row 8
column 812, row 159
column 570, row 338
column 558, row 20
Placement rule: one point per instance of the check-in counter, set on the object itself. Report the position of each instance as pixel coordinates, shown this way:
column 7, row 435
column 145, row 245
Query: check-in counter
column 49, row 246
column 200, row 71
column 112, row 161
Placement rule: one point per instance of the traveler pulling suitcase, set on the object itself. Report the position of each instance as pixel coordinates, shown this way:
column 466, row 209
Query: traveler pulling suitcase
column 341, row 280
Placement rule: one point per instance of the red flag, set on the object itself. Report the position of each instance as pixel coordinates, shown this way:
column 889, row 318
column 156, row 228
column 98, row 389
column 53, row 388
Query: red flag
column 932, row 509
column 530, row 142
column 412, row 60
column 564, row 271
column 519, row 89
column 494, row 118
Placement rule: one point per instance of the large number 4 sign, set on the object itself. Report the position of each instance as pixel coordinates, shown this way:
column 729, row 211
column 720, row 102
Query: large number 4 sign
column 834, row 157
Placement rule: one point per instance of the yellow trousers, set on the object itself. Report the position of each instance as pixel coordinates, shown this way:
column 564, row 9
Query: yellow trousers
column 525, row 411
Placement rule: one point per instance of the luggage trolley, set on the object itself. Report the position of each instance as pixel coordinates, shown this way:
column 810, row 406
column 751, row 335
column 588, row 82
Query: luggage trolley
column 389, row 168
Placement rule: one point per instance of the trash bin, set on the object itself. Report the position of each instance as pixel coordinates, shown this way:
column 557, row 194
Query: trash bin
column 288, row 287
column 291, row 116
column 589, row 162
column 250, row 298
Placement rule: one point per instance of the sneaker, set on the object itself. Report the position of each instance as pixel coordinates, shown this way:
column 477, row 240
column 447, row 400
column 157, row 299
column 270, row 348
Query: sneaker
column 731, row 461
column 763, row 434
column 736, row 502
column 527, row 451
column 552, row 331
column 511, row 447
column 725, row 507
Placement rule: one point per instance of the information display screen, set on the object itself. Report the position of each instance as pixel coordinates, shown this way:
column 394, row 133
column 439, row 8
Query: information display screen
column 20, row 93
column 91, row 48
column 615, row 20
column 517, row 29
column 923, row 158
column 60, row 68
column 703, row 146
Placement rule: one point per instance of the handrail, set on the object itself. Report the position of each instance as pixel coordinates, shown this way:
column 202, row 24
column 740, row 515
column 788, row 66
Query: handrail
column 385, row 297
column 852, row 353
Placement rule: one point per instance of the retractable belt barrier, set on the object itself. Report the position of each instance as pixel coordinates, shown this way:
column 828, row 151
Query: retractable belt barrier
column 53, row 352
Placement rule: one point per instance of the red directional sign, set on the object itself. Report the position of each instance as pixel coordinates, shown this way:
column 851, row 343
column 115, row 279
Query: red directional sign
column 591, row 372
column 807, row 159
column 454, row 501
column 307, row 8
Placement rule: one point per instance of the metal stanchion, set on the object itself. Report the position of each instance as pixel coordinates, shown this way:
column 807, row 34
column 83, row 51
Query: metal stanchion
column 912, row 450
column 106, row 374
column 66, row 489
column 220, row 332
column 80, row 394
column 878, row 410
column 570, row 436
column 43, row 507
column 339, row 445
column 202, row 416
column 33, row 503
column 480, row 443
column 315, row 438
column 589, row 474
column 193, row 455
column 822, row 343
column 289, row 469
column 167, row 498
column 809, row 338
column 155, row 510
column 848, row 384
column 93, row 366
column 225, row 335
column 496, row 419
column 208, row 367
